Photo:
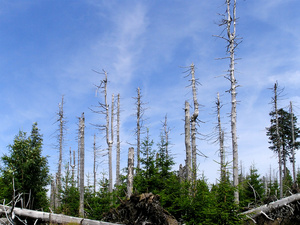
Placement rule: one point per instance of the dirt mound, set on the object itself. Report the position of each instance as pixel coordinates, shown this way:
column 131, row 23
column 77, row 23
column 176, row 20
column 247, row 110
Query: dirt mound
column 144, row 209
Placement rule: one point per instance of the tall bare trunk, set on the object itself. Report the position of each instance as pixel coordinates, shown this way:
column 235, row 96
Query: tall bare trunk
column 81, row 197
column 278, row 142
column 231, row 34
column 118, row 144
column 138, row 127
column 130, row 172
column 187, row 140
column 95, row 160
column 193, row 124
column 73, row 169
column 166, row 132
column 110, row 145
column 293, row 141
column 221, row 139
column 60, row 140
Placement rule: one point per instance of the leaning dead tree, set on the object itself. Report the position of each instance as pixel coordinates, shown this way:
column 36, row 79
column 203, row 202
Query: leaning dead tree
column 274, row 210
column 81, row 193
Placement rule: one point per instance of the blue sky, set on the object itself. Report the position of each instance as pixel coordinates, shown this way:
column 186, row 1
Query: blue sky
column 49, row 49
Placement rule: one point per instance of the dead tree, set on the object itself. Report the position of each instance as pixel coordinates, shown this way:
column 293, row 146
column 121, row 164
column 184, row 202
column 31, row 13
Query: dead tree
column 81, row 197
column 221, row 139
column 166, row 131
column 230, row 22
column 275, row 99
column 293, row 142
column 61, row 121
column 130, row 172
column 95, row 160
column 139, row 123
column 193, row 123
column 118, row 144
column 104, row 109
column 187, row 135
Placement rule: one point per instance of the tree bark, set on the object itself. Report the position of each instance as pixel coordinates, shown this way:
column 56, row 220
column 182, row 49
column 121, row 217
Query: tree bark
column 130, row 172
column 293, row 141
column 231, row 34
column 51, row 217
column 193, row 124
column 187, row 140
column 118, row 144
column 278, row 142
column 253, row 213
column 138, row 127
column 221, row 139
column 95, row 160
column 81, row 197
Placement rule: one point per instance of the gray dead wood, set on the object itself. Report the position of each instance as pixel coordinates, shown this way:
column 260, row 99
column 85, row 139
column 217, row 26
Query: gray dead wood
column 81, row 197
column 51, row 217
column 253, row 213
column 187, row 134
column 118, row 144
column 130, row 172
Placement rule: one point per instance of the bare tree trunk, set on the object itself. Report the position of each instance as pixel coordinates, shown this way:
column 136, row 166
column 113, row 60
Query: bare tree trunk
column 110, row 144
column 130, row 172
column 167, row 132
column 78, row 159
column 73, row 169
column 138, row 127
column 293, row 141
column 49, row 217
column 52, row 194
column 221, row 139
column 118, row 144
column 81, row 198
column 231, row 34
column 278, row 141
column 187, row 140
column 95, row 160
column 193, row 124
column 60, row 139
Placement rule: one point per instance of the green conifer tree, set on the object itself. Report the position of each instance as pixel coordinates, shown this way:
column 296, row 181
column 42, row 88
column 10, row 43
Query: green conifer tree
column 29, row 170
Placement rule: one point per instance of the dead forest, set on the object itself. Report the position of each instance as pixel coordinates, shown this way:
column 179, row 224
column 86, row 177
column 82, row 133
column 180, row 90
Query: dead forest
column 151, row 188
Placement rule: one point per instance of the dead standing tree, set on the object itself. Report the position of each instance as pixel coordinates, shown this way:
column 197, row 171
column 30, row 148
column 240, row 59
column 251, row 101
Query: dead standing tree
column 61, row 120
column 118, row 144
column 81, row 187
column 275, row 100
column 230, row 22
column 190, row 128
column 221, row 139
column 104, row 109
column 139, row 123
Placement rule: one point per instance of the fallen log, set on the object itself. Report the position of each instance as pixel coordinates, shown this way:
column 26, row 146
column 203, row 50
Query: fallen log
column 253, row 213
column 50, row 217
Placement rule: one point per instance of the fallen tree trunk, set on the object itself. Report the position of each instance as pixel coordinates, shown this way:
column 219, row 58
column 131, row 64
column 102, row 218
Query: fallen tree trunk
column 253, row 213
column 50, row 217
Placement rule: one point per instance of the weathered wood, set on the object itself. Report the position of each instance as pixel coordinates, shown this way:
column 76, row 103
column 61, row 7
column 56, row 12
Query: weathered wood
column 51, row 217
column 130, row 172
column 253, row 213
